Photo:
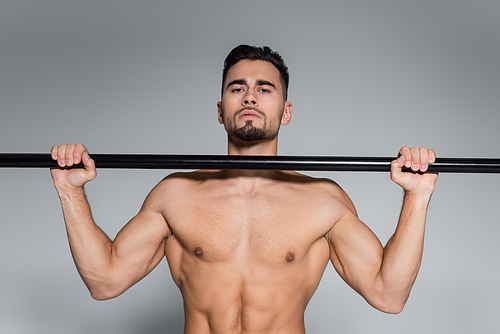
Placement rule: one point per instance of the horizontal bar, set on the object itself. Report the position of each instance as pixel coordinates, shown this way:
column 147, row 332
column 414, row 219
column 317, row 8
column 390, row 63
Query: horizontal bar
column 302, row 163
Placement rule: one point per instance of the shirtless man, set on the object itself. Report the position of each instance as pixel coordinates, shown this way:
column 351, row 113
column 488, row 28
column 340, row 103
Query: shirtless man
column 248, row 248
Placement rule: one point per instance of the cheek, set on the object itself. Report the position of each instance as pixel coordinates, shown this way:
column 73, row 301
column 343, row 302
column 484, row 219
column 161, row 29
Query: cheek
column 228, row 106
column 224, row 118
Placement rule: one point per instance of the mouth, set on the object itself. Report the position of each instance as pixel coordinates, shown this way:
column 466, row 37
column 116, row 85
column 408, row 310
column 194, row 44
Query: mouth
column 250, row 113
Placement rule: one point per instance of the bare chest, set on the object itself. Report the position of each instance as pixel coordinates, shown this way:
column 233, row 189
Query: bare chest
column 266, row 227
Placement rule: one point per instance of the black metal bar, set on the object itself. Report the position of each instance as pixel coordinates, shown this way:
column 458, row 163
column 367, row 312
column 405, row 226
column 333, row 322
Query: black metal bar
column 302, row 163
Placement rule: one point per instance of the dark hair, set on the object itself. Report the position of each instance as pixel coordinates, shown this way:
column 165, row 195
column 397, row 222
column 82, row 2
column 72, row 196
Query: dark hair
column 265, row 53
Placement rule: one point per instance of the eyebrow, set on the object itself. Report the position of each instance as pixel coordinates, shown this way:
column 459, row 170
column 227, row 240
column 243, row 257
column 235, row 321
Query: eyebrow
column 265, row 83
column 236, row 82
column 244, row 82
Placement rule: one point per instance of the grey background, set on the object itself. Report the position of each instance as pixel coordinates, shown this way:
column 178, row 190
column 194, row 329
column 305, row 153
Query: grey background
column 367, row 77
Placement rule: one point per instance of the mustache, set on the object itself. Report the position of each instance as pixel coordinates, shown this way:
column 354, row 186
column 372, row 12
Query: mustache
column 239, row 112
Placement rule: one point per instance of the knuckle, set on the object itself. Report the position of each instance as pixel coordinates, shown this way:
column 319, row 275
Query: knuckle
column 81, row 148
column 61, row 149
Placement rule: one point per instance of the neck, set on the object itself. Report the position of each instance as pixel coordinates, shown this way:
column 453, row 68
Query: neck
column 239, row 147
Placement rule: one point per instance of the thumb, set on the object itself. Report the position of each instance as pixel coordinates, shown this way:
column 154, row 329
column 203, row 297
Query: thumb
column 89, row 165
column 396, row 165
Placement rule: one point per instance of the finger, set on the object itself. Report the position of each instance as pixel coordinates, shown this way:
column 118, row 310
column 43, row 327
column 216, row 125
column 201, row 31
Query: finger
column 79, row 150
column 89, row 165
column 87, row 160
column 399, row 162
column 415, row 159
column 53, row 152
column 61, row 155
column 404, row 159
column 432, row 156
column 406, row 153
column 70, row 151
column 396, row 166
column 424, row 159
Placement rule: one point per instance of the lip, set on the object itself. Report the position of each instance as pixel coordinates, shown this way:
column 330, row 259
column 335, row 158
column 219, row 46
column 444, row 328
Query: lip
column 248, row 113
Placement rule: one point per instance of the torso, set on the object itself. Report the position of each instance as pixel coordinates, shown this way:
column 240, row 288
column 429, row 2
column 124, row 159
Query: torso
column 248, row 255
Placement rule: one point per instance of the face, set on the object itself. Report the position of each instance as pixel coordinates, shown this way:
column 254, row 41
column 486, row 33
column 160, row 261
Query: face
column 253, row 107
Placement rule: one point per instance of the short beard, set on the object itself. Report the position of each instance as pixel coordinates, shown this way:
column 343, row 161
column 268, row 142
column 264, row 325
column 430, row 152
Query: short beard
column 249, row 133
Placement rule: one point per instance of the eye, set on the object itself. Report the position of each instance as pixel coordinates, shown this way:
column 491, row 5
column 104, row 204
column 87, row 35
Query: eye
column 263, row 90
column 236, row 90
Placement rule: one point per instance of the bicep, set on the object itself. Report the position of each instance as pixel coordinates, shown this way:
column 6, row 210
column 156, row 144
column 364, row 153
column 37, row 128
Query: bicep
column 355, row 252
column 139, row 246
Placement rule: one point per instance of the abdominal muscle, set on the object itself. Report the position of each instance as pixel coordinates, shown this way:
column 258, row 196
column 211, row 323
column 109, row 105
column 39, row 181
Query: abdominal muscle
column 235, row 296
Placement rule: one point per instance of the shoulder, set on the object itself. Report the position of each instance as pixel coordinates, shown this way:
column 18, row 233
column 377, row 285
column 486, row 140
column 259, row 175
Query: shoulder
column 177, row 185
column 326, row 190
column 324, row 185
column 186, row 179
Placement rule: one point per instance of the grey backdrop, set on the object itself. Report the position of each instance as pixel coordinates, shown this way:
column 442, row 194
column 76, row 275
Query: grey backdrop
column 367, row 77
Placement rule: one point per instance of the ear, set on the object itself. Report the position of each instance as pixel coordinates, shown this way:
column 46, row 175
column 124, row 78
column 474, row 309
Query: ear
column 219, row 112
column 287, row 114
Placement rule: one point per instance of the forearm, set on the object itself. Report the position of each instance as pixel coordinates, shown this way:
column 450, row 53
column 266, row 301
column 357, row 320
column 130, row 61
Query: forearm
column 384, row 276
column 90, row 247
column 402, row 255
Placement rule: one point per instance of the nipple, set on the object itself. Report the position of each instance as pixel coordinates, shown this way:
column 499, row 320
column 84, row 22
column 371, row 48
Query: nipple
column 198, row 251
column 289, row 257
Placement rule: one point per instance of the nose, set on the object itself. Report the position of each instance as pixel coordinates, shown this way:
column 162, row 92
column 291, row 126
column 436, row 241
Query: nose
column 249, row 99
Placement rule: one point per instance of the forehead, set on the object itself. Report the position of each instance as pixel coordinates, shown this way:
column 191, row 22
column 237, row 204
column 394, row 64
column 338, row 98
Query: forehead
column 251, row 70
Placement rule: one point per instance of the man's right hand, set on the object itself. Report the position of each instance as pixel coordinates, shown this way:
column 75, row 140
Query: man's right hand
column 67, row 156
